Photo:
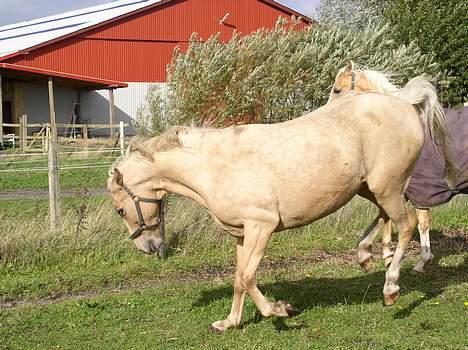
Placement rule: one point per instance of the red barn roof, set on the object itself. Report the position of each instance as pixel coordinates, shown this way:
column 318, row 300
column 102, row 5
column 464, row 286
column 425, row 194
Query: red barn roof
column 131, row 40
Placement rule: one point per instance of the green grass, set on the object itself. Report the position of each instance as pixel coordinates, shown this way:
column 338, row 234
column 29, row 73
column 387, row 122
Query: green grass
column 69, row 178
column 342, row 309
column 94, row 251
column 111, row 297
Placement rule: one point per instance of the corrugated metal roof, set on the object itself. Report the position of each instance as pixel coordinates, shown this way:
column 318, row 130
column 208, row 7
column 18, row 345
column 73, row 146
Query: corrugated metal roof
column 23, row 35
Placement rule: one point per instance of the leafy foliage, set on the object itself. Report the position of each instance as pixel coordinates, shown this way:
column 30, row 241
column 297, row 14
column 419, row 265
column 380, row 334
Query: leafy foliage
column 440, row 28
column 272, row 75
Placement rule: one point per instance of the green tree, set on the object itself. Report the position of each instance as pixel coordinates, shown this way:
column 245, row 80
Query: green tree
column 439, row 28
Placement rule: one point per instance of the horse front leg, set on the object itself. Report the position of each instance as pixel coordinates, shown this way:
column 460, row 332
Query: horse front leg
column 424, row 222
column 256, row 237
column 235, row 316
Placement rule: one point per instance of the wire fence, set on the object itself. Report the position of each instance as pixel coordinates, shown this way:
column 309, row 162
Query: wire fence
column 22, row 163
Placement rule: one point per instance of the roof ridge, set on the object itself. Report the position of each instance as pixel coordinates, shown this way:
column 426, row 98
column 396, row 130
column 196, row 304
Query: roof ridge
column 76, row 12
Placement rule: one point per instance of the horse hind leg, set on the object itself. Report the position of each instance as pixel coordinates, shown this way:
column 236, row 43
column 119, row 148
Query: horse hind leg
column 387, row 250
column 405, row 220
column 364, row 254
column 424, row 222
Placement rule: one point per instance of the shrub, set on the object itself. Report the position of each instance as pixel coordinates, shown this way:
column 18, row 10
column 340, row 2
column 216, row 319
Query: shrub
column 272, row 75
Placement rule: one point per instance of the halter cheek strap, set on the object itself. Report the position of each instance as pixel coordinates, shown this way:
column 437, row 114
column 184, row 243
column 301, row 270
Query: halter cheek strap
column 353, row 83
column 142, row 226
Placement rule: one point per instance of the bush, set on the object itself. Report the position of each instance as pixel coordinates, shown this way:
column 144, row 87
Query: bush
column 272, row 75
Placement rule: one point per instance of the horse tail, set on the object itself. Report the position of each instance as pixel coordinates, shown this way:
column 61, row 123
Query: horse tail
column 423, row 96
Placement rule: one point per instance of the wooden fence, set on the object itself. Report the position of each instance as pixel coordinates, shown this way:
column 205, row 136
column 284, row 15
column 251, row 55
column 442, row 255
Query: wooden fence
column 25, row 142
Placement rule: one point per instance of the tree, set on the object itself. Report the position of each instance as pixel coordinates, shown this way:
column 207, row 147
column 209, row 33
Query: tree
column 439, row 28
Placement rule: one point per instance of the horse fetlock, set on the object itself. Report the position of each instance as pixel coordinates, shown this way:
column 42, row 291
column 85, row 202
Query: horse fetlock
column 364, row 258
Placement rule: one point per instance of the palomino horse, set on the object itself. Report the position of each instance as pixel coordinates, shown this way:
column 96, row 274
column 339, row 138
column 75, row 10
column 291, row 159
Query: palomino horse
column 259, row 179
column 429, row 184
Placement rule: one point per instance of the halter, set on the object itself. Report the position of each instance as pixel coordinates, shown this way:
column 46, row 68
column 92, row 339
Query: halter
column 353, row 83
column 141, row 220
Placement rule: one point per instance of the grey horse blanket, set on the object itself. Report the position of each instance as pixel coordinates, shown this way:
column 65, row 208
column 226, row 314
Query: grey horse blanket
column 427, row 187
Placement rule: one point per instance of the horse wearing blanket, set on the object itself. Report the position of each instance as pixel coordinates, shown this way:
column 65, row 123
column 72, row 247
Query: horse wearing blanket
column 436, row 178
column 259, row 179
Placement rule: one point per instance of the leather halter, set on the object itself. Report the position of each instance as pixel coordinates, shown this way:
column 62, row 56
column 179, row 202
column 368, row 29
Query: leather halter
column 353, row 83
column 141, row 220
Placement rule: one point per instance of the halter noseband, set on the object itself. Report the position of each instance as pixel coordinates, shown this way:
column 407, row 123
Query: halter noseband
column 141, row 220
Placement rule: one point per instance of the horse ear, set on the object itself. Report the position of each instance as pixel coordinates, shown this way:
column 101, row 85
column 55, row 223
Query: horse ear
column 349, row 66
column 118, row 177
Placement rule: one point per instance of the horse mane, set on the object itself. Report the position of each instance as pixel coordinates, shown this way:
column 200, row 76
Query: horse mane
column 145, row 146
column 380, row 81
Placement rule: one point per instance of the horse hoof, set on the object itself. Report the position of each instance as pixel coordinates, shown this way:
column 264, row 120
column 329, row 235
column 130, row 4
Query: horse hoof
column 213, row 329
column 366, row 264
column 391, row 298
column 284, row 309
column 292, row 310
column 217, row 327
column 418, row 270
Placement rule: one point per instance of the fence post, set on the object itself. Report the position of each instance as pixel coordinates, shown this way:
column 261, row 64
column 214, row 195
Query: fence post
column 122, row 138
column 54, row 188
column 85, row 136
column 47, row 139
column 23, row 132
column 111, row 112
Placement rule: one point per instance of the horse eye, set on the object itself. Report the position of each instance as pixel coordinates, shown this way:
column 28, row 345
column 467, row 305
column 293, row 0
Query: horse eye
column 336, row 90
column 121, row 212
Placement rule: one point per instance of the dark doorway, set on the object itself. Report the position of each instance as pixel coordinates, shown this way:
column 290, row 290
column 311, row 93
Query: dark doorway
column 7, row 117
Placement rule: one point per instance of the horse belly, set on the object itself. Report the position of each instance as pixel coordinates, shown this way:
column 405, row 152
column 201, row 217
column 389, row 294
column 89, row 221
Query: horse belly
column 319, row 196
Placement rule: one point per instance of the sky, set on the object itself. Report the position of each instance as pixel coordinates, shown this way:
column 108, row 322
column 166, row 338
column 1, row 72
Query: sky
column 13, row 11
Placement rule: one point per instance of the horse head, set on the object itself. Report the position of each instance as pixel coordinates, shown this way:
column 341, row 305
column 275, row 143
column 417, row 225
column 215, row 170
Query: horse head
column 349, row 80
column 139, row 203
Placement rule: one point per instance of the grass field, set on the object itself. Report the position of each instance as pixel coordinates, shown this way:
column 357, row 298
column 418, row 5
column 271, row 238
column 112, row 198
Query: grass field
column 88, row 288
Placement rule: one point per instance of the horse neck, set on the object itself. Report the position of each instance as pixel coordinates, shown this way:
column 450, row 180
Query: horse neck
column 179, row 171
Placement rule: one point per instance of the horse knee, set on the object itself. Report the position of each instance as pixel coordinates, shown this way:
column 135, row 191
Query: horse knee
column 246, row 281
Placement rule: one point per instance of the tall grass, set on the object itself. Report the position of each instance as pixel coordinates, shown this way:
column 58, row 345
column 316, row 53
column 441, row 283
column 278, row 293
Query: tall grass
column 93, row 233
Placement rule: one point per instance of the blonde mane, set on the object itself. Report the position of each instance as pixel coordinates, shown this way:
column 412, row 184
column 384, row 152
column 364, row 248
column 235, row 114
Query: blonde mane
column 380, row 81
column 145, row 146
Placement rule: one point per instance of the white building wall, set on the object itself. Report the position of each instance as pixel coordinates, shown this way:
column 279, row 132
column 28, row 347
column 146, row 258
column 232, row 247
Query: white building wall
column 94, row 105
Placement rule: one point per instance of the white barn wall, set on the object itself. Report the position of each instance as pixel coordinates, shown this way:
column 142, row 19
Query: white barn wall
column 94, row 104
